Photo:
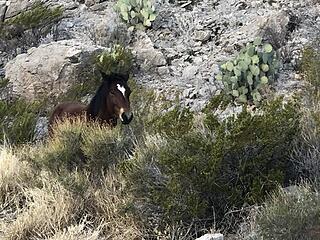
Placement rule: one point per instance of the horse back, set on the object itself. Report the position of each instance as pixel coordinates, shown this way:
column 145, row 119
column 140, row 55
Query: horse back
column 67, row 109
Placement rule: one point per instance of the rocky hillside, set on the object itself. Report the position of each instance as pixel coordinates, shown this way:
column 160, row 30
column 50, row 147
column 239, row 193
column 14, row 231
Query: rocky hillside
column 172, row 173
column 180, row 53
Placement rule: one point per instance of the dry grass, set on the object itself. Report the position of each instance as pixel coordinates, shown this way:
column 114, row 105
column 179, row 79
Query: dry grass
column 47, row 209
column 38, row 202
column 76, row 232
column 110, row 202
column 306, row 153
column 12, row 172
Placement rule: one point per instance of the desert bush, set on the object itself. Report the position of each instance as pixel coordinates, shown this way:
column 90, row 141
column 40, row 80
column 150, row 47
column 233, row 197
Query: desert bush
column 136, row 13
column 80, row 145
column 173, row 123
column 239, row 162
column 249, row 74
column 38, row 16
column 307, row 148
column 18, row 120
column 28, row 28
column 310, row 64
column 116, row 60
column 289, row 214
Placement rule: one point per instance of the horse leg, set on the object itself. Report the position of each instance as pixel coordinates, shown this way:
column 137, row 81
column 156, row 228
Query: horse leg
column 53, row 118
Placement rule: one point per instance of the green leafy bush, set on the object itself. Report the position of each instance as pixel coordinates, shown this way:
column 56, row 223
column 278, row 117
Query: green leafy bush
column 76, row 144
column 18, row 120
column 238, row 162
column 173, row 123
column 288, row 215
column 39, row 16
column 117, row 60
column 310, row 66
column 306, row 153
column 249, row 74
column 137, row 13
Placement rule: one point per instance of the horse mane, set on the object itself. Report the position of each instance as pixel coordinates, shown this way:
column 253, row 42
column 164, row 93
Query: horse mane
column 98, row 101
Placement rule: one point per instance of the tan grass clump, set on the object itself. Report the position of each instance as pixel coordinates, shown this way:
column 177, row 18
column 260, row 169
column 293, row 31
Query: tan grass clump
column 47, row 209
column 77, row 232
column 14, row 176
column 110, row 203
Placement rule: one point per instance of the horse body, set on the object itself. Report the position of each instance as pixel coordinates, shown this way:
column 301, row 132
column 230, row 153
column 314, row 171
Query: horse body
column 110, row 103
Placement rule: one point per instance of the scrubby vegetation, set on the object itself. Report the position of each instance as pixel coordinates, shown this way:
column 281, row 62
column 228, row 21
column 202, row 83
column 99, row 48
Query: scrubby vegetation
column 175, row 173
column 18, row 120
column 27, row 29
column 292, row 214
column 191, row 172
column 117, row 60
column 38, row 16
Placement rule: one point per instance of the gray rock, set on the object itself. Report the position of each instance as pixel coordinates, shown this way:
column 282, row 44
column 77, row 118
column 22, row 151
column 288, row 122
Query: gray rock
column 41, row 129
column 40, row 73
column 146, row 54
column 3, row 9
column 163, row 71
column 189, row 72
column 202, row 36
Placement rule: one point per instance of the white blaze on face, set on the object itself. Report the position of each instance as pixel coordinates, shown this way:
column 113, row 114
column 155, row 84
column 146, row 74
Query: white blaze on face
column 121, row 89
column 120, row 113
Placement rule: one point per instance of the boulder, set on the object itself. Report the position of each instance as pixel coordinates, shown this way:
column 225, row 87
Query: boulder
column 50, row 69
column 17, row 6
column 3, row 9
column 147, row 56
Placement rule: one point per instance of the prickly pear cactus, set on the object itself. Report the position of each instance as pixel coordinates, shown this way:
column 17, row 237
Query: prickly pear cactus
column 137, row 13
column 250, row 73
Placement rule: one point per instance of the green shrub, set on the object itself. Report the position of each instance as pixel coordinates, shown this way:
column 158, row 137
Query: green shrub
column 3, row 82
column 306, row 153
column 78, row 145
column 249, row 74
column 137, row 13
column 310, row 66
column 116, row 60
column 290, row 215
column 239, row 162
column 38, row 17
column 173, row 123
column 18, row 120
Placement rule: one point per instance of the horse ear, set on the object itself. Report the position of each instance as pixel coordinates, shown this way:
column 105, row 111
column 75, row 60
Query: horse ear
column 104, row 76
column 126, row 77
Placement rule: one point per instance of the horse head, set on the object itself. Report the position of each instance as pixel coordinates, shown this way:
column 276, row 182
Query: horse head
column 118, row 100
column 111, row 101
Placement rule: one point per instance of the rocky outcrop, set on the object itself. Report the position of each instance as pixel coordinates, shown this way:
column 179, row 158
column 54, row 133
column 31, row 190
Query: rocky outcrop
column 182, row 51
column 50, row 69
column 196, row 40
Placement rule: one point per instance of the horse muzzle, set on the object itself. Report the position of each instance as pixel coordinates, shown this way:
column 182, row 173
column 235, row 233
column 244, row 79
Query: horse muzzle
column 126, row 117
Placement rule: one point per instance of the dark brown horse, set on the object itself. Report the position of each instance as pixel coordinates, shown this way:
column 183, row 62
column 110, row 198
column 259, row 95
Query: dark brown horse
column 110, row 103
